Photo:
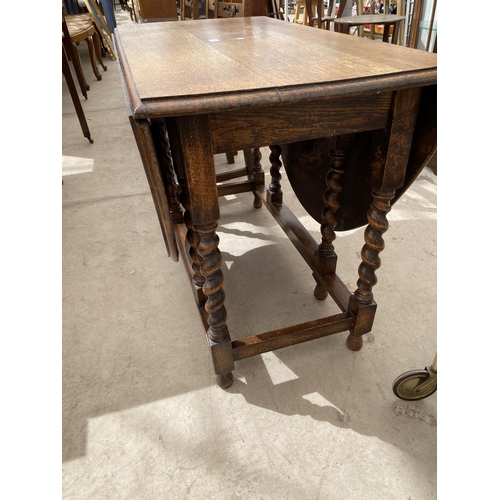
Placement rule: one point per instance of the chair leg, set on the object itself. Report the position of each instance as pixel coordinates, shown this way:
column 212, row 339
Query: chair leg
column 90, row 45
column 74, row 96
column 97, row 47
column 69, row 51
column 101, row 43
column 78, row 63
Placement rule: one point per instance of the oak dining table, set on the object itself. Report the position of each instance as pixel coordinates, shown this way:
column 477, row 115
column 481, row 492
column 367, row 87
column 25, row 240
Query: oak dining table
column 194, row 89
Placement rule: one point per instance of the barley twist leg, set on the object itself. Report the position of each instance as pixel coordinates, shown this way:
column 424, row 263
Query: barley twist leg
column 374, row 244
column 218, row 332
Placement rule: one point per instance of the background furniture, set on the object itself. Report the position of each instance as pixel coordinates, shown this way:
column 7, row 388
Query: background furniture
column 238, row 8
column 300, row 15
column 133, row 9
column 193, row 9
column 67, row 46
column 372, row 7
column 81, row 27
column 158, row 10
column 318, row 17
column 390, row 23
column 74, row 95
column 101, row 25
column 385, row 104
column 71, row 6
column 69, row 54
column 107, row 10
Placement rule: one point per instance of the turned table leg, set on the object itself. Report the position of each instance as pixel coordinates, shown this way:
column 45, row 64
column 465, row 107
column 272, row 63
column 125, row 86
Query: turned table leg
column 193, row 239
column 203, row 214
column 388, row 171
column 274, row 193
column 362, row 300
column 218, row 332
column 325, row 258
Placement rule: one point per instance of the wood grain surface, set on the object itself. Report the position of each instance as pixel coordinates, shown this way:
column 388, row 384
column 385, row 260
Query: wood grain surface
column 255, row 60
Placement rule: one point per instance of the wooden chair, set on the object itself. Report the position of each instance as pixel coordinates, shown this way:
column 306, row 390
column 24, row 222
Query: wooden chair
column 81, row 27
column 319, row 18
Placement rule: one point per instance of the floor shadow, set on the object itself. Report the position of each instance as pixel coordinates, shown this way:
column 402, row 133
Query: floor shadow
column 124, row 343
column 322, row 378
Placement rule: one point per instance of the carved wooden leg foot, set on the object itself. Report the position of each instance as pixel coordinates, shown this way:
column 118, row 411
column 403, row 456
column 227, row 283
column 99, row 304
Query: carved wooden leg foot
column 354, row 342
column 224, row 381
column 218, row 333
column 319, row 292
column 257, row 202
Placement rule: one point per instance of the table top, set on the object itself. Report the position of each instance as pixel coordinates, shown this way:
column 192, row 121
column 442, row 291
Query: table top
column 369, row 19
column 221, row 64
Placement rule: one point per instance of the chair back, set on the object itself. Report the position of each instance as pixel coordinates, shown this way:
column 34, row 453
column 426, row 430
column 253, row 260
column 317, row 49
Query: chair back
column 319, row 18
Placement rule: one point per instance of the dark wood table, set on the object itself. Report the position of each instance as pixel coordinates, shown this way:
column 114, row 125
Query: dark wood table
column 385, row 20
column 199, row 88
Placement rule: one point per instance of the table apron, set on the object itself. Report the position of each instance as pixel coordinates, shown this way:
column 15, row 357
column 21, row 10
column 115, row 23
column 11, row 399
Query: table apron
column 255, row 127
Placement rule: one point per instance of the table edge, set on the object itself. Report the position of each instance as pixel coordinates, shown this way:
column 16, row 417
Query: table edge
column 224, row 101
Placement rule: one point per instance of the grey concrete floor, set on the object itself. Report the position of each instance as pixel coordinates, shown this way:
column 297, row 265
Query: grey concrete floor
column 142, row 416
